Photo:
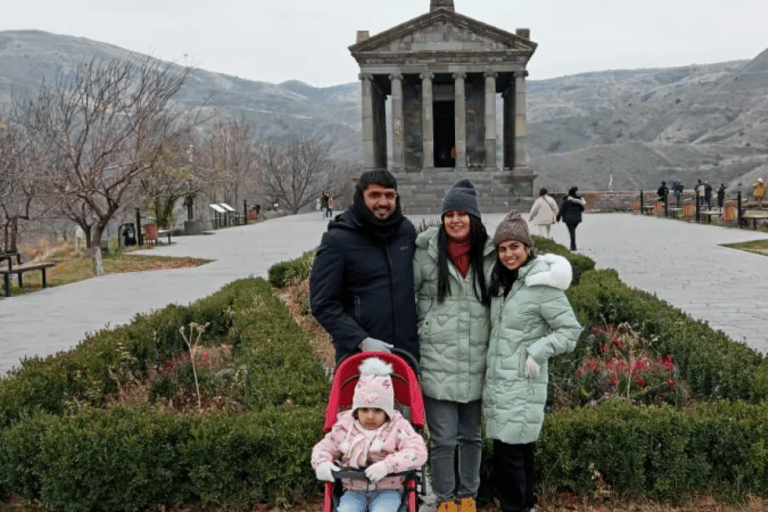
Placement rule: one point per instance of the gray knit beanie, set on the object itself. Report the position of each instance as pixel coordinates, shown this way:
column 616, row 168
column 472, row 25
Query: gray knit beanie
column 462, row 197
column 513, row 227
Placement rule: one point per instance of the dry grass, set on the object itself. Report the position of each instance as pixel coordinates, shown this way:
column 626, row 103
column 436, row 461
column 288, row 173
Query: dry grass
column 72, row 267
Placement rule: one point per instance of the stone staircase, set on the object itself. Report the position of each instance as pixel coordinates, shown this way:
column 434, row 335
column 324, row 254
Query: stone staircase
column 422, row 193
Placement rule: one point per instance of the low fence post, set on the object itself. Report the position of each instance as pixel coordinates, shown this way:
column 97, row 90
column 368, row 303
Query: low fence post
column 139, row 235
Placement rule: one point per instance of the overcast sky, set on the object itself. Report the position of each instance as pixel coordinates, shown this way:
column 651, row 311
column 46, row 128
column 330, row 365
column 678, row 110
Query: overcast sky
column 307, row 40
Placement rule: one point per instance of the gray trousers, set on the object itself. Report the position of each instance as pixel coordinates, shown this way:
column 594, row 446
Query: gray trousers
column 452, row 426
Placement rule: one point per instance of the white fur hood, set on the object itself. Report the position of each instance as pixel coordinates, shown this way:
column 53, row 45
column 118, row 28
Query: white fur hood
column 550, row 270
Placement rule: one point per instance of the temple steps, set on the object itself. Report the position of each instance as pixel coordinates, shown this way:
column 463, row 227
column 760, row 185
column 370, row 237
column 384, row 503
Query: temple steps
column 422, row 193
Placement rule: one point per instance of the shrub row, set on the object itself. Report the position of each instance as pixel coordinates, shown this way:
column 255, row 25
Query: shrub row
column 127, row 460
column 61, row 446
column 713, row 365
column 656, row 452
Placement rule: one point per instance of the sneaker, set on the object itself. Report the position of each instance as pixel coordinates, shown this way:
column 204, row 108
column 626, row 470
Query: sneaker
column 448, row 506
column 468, row 504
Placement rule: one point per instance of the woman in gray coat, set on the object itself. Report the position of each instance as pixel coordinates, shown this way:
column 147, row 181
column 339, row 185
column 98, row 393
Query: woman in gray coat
column 531, row 321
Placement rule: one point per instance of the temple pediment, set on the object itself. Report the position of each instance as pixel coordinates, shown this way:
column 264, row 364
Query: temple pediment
column 442, row 32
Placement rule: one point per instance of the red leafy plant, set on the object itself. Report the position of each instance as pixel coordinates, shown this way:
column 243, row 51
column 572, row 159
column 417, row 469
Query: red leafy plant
column 621, row 363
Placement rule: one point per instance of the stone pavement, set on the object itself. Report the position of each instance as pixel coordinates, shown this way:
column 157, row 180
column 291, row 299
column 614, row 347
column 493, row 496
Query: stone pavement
column 681, row 263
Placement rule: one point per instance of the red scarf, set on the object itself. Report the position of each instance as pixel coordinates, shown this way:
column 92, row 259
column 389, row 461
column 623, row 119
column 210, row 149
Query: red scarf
column 459, row 254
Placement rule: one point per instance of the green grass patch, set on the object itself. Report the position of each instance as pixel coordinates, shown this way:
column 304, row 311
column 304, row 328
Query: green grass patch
column 755, row 246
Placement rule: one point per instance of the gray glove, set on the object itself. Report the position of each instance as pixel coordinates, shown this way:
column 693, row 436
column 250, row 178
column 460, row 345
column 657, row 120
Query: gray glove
column 373, row 345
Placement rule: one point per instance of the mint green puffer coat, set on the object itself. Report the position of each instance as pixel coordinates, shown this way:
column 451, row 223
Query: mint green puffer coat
column 453, row 336
column 536, row 319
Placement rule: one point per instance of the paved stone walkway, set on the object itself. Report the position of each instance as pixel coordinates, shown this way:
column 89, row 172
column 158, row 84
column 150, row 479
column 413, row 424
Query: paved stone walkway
column 682, row 263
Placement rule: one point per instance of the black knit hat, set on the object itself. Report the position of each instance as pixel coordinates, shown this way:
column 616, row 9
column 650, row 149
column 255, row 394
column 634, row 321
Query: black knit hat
column 461, row 197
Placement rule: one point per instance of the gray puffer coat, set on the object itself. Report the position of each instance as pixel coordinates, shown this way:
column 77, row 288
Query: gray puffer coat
column 535, row 320
column 453, row 336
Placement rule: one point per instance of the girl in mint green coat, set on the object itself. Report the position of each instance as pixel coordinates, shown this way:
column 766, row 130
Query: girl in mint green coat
column 531, row 321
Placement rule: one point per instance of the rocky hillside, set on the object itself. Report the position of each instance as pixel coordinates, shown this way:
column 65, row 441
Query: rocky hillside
column 621, row 129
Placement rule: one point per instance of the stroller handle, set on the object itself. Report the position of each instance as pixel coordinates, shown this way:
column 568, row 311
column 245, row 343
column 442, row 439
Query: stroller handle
column 360, row 473
column 412, row 362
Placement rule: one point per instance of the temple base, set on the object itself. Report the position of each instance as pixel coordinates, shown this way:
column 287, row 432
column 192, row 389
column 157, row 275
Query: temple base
column 422, row 193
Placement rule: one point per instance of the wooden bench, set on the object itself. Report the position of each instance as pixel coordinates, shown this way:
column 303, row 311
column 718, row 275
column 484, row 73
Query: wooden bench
column 19, row 271
column 753, row 218
column 9, row 257
column 707, row 215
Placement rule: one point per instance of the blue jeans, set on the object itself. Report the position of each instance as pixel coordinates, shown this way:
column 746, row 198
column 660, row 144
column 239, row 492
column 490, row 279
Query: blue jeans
column 454, row 426
column 387, row 500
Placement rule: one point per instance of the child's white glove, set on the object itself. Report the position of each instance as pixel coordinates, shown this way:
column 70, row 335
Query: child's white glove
column 324, row 471
column 532, row 368
column 376, row 472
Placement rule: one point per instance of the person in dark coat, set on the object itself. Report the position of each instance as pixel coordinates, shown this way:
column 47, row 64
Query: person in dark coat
column 361, row 285
column 570, row 213
column 721, row 196
column 663, row 191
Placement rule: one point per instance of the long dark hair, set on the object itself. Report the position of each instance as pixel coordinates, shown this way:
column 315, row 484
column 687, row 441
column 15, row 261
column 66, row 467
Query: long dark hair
column 502, row 278
column 477, row 236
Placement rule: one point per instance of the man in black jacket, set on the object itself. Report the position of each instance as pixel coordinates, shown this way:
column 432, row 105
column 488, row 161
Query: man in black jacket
column 361, row 286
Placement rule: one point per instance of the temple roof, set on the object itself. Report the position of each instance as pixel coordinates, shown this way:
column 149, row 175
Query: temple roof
column 441, row 31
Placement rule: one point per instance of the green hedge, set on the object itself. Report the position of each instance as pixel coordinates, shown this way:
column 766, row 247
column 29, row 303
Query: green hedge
column 127, row 460
column 61, row 446
column 657, row 452
column 713, row 365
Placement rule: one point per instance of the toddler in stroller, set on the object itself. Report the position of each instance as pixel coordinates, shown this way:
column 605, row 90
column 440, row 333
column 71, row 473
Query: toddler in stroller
column 370, row 445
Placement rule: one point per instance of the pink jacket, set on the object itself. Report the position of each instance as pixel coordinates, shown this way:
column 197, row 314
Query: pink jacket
column 397, row 444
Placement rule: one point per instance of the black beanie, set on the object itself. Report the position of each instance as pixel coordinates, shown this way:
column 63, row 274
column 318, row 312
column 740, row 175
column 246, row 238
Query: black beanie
column 462, row 197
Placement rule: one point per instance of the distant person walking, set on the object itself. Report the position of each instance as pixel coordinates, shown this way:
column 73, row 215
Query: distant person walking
column 324, row 203
column 708, row 194
column 699, row 193
column 544, row 213
column 570, row 213
column 663, row 191
column 721, row 196
column 329, row 210
column 758, row 192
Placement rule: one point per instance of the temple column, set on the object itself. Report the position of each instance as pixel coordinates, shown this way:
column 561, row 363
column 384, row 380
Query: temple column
column 490, row 119
column 398, row 135
column 460, row 120
column 367, row 114
column 427, row 120
column 521, row 122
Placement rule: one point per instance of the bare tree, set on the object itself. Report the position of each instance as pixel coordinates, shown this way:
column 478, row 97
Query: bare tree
column 230, row 158
column 17, row 194
column 170, row 178
column 101, row 127
column 295, row 173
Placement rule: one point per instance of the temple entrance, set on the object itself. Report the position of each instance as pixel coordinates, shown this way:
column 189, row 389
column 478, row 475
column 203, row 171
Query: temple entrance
column 444, row 133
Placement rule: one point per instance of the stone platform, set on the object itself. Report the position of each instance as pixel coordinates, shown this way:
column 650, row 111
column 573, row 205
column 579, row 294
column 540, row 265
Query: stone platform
column 422, row 193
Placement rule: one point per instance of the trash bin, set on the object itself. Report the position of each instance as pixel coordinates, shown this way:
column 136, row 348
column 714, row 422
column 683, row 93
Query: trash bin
column 150, row 234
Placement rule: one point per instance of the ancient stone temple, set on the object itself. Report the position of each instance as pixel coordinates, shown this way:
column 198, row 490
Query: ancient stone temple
column 443, row 97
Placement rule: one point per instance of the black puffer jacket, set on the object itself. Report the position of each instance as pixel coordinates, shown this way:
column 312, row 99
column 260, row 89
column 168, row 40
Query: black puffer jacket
column 362, row 281
column 570, row 209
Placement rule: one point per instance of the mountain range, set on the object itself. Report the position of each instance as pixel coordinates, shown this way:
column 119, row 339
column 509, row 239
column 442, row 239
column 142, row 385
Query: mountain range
column 616, row 129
